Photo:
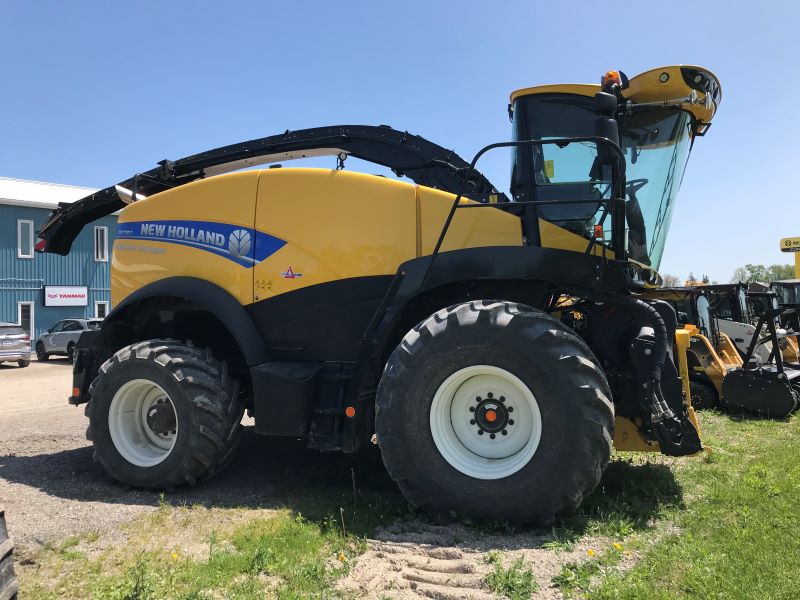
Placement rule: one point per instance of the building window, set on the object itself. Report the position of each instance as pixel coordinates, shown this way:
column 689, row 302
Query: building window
column 25, row 317
column 100, row 310
column 24, row 238
column 101, row 244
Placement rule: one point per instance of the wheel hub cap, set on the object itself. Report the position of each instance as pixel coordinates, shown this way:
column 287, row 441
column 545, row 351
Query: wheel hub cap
column 491, row 416
column 143, row 423
column 485, row 422
column 161, row 417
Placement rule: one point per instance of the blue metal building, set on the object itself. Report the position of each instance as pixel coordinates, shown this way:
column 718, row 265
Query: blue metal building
column 80, row 280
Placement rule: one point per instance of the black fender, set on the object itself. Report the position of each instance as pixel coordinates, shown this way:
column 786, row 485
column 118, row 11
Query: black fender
column 213, row 298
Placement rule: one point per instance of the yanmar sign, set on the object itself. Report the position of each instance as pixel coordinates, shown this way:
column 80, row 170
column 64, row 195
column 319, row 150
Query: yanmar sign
column 66, row 295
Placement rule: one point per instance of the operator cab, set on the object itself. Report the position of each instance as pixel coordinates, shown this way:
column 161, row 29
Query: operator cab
column 658, row 114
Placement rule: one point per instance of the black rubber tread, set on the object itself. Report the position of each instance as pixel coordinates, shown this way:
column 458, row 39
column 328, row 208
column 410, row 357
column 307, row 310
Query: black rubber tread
column 704, row 395
column 23, row 363
column 560, row 369
column 41, row 355
column 71, row 352
column 8, row 579
column 204, row 396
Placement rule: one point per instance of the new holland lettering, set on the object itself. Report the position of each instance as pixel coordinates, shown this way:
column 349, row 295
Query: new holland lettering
column 181, row 232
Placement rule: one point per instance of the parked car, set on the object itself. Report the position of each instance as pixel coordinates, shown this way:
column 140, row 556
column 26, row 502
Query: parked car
column 15, row 344
column 62, row 337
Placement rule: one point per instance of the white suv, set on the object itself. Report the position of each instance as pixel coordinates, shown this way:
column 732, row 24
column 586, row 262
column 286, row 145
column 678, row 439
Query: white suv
column 62, row 338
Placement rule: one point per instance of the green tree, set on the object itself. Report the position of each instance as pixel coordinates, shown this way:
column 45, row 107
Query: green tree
column 750, row 272
column 778, row 272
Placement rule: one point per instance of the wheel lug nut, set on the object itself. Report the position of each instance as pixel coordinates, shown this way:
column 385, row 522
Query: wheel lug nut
column 490, row 395
column 510, row 409
column 504, row 432
column 502, row 398
column 492, row 436
column 478, row 399
column 480, row 432
column 472, row 421
column 511, row 421
column 471, row 409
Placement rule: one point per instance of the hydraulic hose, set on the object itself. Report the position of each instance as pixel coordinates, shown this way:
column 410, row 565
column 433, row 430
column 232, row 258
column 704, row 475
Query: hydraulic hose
column 653, row 318
column 662, row 414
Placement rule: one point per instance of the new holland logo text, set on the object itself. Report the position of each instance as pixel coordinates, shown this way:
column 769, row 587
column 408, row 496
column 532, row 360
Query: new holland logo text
column 178, row 232
column 244, row 246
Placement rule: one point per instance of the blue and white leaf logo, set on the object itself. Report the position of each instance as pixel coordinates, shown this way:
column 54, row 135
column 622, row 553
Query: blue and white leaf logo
column 239, row 243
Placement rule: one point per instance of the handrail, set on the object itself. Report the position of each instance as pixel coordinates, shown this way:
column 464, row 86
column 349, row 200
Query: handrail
column 616, row 188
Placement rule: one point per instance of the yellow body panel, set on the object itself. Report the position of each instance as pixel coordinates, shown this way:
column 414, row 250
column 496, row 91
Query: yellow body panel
column 553, row 236
column 581, row 89
column 337, row 225
column 136, row 263
column 333, row 225
column 362, row 226
column 471, row 227
column 627, row 437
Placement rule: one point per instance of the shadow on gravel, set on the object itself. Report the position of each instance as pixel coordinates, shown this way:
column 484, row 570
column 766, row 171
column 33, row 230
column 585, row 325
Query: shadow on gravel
column 267, row 473
column 283, row 473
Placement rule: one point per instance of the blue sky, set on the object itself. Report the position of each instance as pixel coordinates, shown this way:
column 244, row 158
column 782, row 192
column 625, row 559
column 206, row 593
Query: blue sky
column 95, row 91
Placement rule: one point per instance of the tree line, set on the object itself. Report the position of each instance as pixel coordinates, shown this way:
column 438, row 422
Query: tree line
column 745, row 274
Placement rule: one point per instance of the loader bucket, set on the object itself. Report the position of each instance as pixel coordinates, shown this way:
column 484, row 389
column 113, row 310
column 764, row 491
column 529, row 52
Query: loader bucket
column 762, row 391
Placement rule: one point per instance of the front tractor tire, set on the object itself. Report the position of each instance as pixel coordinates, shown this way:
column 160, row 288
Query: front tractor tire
column 494, row 410
column 163, row 414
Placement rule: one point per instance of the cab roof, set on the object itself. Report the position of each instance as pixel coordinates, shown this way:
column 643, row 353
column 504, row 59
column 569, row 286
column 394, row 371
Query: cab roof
column 655, row 85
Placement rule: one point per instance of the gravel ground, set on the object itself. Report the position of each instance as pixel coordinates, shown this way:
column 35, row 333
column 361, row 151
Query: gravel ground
column 52, row 489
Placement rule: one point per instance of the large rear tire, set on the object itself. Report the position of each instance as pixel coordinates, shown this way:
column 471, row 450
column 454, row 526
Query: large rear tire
column 162, row 414
column 466, row 374
column 41, row 354
column 8, row 579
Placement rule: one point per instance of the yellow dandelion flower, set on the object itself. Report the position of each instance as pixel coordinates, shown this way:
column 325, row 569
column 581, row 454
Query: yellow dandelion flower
column 618, row 546
column 174, row 556
column 590, row 552
column 342, row 557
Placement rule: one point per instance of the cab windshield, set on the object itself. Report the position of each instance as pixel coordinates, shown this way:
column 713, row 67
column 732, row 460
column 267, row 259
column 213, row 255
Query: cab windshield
column 656, row 145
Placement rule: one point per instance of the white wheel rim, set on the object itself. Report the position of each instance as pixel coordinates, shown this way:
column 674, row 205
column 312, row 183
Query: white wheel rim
column 133, row 437
column 456, row 429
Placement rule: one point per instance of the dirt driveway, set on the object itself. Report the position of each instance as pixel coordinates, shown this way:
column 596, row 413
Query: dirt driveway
column 52, row 489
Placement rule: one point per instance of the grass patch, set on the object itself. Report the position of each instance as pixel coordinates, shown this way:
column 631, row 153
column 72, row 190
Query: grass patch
column 633, row 495
column 515, row 582
column 738, row 532
column 193, row 552
column 577, row 576
column 283, row 556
